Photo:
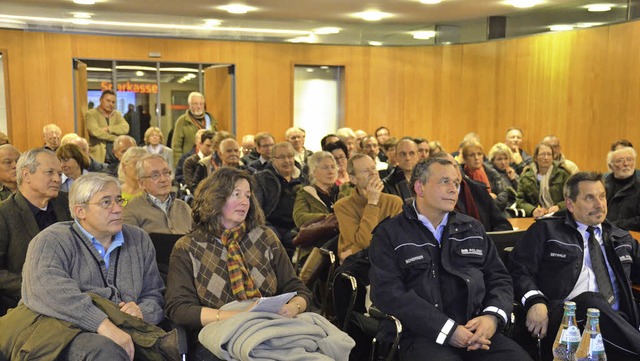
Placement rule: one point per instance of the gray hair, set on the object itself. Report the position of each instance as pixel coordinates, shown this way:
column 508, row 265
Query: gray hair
column 140, row 163
column 281, row 145
column 315, row 159
column 293, row 129
column 28, row 160
column 86, row 186
column 193, row 95
column 422, row 171
column 132, row 154
column 51, row 128
column 497, row 149
column 67, row 138
column 121, row 138
column 344, row 133
column 618, row 151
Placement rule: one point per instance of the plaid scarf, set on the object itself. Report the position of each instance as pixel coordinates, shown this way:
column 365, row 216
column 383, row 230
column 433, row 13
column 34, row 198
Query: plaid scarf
column 242, row 284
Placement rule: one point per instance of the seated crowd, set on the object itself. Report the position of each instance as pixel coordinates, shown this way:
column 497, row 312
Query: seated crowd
column 76, row 215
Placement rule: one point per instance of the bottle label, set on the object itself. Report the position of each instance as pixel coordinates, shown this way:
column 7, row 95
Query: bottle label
column 596, row 347
column 571, row 335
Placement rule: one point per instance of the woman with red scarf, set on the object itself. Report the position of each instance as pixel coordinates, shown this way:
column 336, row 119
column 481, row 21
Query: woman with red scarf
column 476, row 169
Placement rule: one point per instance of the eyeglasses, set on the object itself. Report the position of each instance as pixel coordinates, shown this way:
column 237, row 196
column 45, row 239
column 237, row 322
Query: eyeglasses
column 283, row 157
column 108, row 202
column 545, row 155
column 621, row 161
column 156, row 175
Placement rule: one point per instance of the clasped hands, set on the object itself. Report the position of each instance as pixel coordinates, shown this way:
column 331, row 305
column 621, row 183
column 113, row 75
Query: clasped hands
column 476, row 334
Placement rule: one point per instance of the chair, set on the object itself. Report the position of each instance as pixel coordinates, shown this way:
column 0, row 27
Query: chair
column 317, row 272
column 163, row 243
column 503, row 240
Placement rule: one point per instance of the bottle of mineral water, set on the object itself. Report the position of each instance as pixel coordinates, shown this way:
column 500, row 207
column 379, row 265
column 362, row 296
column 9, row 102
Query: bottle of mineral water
column 592, row 346
column 568, row 337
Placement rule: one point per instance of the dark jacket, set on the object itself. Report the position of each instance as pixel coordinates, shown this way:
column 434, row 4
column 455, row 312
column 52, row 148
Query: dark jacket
column 624, row 206
column 269, row 188
column 403, row 273
column 490, row 216
column 17, row 227
column 547, row 260
column 506, row 195
column 396, row 184
column 529, row 188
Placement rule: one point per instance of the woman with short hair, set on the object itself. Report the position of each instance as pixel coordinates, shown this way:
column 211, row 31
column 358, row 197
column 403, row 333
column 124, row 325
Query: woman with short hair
column 127, row 174
column 74, row 164
column 154, row 144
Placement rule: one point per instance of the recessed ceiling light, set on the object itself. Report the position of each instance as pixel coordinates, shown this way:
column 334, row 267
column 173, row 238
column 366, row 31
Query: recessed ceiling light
column 81, row 21
column 212, row 22
column 372, row 15
column 375, row 43
column 139, row 73
column 309, row 70
column 561, row 27
column 423, row 35
column 326, row 31
column 84, row 2
column 599, row 8
column 82, row 15
column 237, row 8
column 324, row 67
column 522, row 4
column 430, row 2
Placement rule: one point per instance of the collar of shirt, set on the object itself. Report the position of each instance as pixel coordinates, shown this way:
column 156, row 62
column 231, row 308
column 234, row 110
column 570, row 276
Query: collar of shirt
column 262, row 160
column 582, row 228
column 162, row 205
column 436, row 231
column 200, row 154
column 117, row 241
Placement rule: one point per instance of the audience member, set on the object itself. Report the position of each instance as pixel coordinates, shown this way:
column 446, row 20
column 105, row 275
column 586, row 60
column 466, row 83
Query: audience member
column 341, row 155
column 579, row 256
column 205, row 149
column 229, row 242
column 9, row 156
column 540, row 184
column 228, row 152
column 348, row 137
column 423, row 148
column 328, row 139
column 127, row 174
column 195, row 149
column 389, row 148
column 360, row 134
column 554, row 142
column 154, row 144
column 36, row 205
column 360, row 212
column 520, row 158
column 474, row 167
column 4, row 139
column 469, row 137
column 95, row 281
column 248, row 152
column 440, row 275
column 499, row 158
column 621, row 143
column 623, row 189
column 435, row 147
column 188, row 124
column 157, row 210
column 264, row 143
column 104, row 123
column 316, row 200
column 397, row 182
column 382, row 135
column 370, row 147
column 74, row 163
column 121, row 144
column 73, row 138
column 276, row 191
column 296, row 137
column 51, row 134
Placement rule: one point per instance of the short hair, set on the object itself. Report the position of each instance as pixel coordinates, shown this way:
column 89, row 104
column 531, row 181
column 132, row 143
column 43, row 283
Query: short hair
column 132, row 154
column 121, row 138
column 497, row 149
column 149, row 132
column 107, row 92
column 288, row 132
column 144, row 158
column 72, row 151
column 549, row 137
column 379, row 129
column 571, row 188
column 435, row 146
column 262, row 136
column 323, row 141
column 4, row 139
column 51, row 127
column 198, row 135
column 219, row 137
column 212, row 195
column 350, row 167
column 344, row 133
column 337, row 145
column 193, row 95
column 367, row 137
column 67, row 138
column 537, row 149
column 618, row 151
column 279, row 145
column 207, row 134
column 514, row 128
column 29, row 161
column 390, row 143
column 422, row 171
column 471, row 144
column 86, row 186
column 621, row 142
column 316, row 158
column 420, row 140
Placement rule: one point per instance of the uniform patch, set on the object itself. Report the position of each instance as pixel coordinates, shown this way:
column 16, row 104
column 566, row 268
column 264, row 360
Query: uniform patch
column 413, row 259
column 626, row 258
column 474, row 251
column 557, row 255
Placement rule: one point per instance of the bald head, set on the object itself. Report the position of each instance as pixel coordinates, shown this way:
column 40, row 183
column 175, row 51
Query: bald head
column 8, row 158
column 229, row 152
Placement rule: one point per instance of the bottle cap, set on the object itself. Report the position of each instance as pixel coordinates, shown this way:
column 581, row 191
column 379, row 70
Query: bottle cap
column 570, row 305
column 593, row 312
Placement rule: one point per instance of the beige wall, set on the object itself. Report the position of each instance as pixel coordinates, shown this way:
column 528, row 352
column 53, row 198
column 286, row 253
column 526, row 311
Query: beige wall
column 581, row 85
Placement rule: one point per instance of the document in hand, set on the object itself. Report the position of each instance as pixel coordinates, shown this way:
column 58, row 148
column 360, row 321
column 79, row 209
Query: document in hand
column 272, row 304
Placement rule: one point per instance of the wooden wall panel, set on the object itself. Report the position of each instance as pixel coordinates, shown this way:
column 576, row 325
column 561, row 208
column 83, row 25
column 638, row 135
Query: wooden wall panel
column 582, row 85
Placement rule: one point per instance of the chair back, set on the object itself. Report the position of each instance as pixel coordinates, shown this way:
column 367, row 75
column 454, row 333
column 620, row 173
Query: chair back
column 163, row 243
column 504, row 240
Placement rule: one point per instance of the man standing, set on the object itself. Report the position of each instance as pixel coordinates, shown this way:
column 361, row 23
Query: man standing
column 89, row 271
column 36, row 205
column 296, row 137
column 554, row 142
column 51, row 134
column 157, row 210
column 397, row 182
column 188, row 124
column 579, row 256
column 264, row 143
column 104, row 123
column 8, row 159
column 623, row 189
column 440, row 275
column 359, row 213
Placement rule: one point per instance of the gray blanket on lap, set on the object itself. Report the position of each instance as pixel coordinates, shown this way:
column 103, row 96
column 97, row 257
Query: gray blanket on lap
column 268, row 336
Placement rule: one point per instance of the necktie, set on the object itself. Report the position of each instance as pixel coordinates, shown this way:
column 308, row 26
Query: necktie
column 599, row 267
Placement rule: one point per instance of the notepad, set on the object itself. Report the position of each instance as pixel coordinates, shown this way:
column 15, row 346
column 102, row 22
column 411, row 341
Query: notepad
column 272, row 304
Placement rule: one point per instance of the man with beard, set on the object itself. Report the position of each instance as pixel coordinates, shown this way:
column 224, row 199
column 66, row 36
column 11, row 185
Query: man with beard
column 623, row 189
column 188, row 124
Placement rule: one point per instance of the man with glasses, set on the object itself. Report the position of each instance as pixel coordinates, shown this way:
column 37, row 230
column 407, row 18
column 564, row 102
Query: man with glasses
column 157, row 210
column 264, row 143
column 97, row 275
column 8, row 159
column 36, row 205
column 397, row 182
column 623, row 189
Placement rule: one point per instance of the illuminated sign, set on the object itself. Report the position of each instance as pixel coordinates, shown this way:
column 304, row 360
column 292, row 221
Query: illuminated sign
column 131, row 87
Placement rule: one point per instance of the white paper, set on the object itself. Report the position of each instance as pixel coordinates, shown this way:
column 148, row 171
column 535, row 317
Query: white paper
column 272, row 304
